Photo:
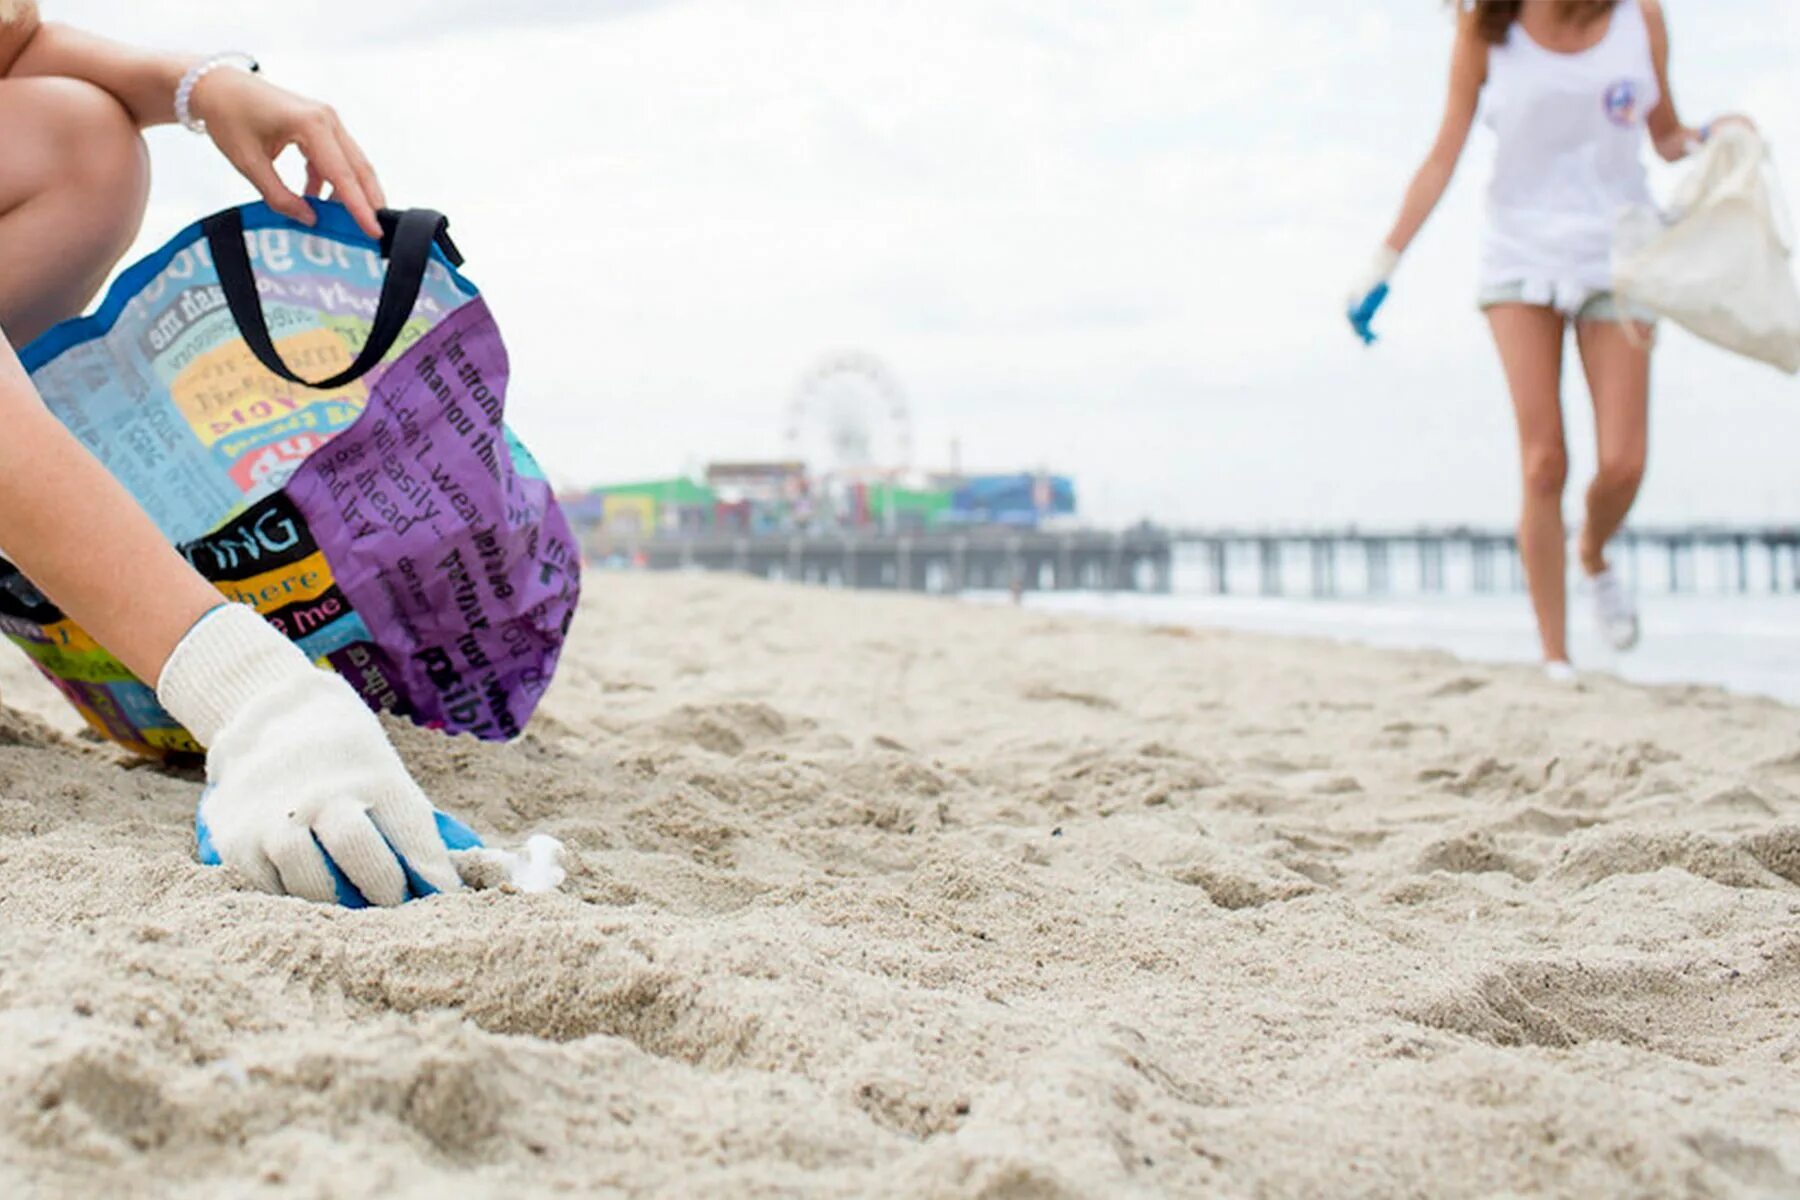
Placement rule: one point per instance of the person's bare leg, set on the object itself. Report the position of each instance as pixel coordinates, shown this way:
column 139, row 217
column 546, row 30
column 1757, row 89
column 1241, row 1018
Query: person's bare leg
column 1617, row 364
column 74, row 180
column 1530, row 341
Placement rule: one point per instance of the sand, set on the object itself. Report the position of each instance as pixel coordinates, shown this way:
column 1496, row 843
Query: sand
column 876, row 895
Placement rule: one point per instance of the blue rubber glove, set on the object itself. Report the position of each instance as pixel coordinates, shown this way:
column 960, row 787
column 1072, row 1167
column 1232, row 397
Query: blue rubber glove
column 1364, row 311
column 1368, row 291
column 455, row 836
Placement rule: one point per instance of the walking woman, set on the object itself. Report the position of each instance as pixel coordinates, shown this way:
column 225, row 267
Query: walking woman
column 1570, row 88
column 297, row 766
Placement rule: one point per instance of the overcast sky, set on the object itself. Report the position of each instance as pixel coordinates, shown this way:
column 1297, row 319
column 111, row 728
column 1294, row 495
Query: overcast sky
column 1106, row 236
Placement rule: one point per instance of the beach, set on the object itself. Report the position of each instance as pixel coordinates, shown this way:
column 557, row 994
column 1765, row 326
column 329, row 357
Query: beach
column 1744, row 644
column 874, row 894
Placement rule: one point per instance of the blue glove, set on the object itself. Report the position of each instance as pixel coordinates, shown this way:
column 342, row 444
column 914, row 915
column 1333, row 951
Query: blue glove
column 1363, row 311
column 1369, row 290
column 454, row 834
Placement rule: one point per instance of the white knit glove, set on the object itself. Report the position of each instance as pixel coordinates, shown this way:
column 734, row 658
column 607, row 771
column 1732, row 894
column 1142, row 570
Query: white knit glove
column 296, row 763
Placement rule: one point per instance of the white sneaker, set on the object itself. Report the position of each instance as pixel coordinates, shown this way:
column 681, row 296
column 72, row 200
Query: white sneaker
column 1614, row 611
column 1560, row 671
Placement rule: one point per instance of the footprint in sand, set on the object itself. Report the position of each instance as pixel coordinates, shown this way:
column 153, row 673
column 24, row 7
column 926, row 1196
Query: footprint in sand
column 1486, row 774
column 1473, row 853
column 1676, row 1009
column 1044, row 692
column 1234, row 881
column 1590, row 857
column 1542, row 821
column 1778, row 850
column 1741, row 800
column 1415, row 727
column 727, row 729
column 1755, row 1166
column 1781, row 764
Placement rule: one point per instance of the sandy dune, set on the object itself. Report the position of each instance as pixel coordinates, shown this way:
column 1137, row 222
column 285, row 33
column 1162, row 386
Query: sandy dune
column 887, row 896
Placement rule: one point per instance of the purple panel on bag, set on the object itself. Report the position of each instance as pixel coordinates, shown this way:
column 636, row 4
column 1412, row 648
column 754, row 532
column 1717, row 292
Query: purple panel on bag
column 371, row 672
column 462, row 567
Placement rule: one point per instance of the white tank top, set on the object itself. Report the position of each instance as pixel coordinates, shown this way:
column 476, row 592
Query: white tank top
column 1571, row 133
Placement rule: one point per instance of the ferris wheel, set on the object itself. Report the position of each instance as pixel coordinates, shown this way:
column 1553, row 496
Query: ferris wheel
column 848, row 418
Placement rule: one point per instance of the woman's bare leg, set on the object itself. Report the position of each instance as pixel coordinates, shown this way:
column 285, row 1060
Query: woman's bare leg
column 74, row 179
column 1617, row 363
column 73, row 184
column 1530, row 340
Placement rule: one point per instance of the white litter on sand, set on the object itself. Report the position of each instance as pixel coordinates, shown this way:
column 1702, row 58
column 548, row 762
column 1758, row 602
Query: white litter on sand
column 536, row 867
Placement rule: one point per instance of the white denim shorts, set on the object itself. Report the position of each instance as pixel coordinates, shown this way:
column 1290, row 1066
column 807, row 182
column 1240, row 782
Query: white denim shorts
column 1592, row 306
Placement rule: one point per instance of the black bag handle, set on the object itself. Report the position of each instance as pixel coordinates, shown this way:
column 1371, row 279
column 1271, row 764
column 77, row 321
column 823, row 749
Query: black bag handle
column 406, row 240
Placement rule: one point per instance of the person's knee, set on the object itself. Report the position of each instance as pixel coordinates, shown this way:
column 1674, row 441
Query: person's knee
column 1621, row 472
column 90, row 153
column 1546, row 470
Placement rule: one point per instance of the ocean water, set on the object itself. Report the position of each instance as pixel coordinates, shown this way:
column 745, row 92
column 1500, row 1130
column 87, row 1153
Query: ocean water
column 1746, row 643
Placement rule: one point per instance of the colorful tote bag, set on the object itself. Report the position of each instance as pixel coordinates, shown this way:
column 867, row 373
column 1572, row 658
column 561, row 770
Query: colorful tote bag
column 317, row 422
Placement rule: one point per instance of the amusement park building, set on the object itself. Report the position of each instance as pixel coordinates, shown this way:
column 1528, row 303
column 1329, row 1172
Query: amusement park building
column 776, row 498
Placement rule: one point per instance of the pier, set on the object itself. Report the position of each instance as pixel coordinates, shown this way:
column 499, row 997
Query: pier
column 936, row 562
column 1317, row 563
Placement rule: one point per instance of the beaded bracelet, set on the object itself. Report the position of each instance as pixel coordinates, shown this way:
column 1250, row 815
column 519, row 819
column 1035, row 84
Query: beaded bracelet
column 184, row 92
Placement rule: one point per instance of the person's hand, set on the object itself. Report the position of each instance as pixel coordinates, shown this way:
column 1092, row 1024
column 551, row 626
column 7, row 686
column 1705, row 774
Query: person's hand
column 1730, row 119
column 1692, row 141
column 252, row 121
column 1368, row 290
column 298, row 769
